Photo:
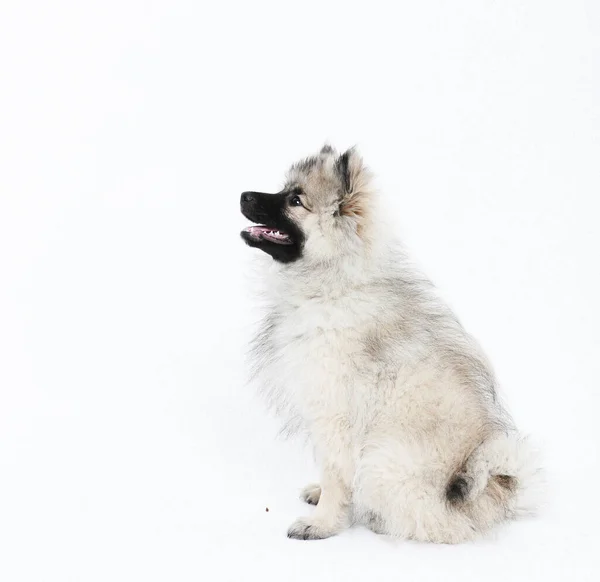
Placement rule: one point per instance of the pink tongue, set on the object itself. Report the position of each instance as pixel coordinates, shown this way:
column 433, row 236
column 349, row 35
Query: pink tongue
column 268, row 233
column 256, row 230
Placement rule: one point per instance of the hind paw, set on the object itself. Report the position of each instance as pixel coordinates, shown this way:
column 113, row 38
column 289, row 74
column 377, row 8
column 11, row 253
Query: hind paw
column 311, row 494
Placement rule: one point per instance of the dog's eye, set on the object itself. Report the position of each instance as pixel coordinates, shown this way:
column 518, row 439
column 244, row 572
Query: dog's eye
column 295, row 201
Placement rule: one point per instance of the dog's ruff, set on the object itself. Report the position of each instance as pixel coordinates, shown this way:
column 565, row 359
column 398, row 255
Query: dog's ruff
column 358, row 351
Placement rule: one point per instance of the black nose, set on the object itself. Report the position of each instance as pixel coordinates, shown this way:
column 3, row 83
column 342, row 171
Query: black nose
column 248, row 197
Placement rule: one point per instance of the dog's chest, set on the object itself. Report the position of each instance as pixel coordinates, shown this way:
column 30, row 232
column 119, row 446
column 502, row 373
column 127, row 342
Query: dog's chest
column 320, row 359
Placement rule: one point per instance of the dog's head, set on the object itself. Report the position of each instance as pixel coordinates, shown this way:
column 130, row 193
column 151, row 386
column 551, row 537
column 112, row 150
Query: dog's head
column 322, row 213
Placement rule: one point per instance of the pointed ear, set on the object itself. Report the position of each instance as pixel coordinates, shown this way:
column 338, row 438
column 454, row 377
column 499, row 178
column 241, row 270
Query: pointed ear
column 326, row 150
column 355, row 180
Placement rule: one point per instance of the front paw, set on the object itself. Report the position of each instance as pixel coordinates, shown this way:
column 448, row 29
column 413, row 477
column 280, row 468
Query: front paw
column 307, row 529
column 311, row 494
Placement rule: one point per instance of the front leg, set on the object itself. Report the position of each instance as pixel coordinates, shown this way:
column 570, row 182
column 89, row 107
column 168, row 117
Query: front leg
column 331, row 515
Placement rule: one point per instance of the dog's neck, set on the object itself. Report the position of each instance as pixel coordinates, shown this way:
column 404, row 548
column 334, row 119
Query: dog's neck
column 306, row 280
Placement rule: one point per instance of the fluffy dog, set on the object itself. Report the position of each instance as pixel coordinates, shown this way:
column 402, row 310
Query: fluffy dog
column 357, row 350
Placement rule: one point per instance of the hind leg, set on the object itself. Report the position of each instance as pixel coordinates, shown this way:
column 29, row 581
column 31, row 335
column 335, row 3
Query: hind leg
column 311, row 494
column 399, row 492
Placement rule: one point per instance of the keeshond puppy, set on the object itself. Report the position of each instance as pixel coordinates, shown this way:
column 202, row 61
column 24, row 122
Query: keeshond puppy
column 358, row 351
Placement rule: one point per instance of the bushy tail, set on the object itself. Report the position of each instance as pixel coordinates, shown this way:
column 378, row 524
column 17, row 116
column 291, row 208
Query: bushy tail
column 501, row 479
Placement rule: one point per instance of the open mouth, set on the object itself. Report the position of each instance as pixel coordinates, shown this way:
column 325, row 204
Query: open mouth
column 272, row 231
column 260, row 232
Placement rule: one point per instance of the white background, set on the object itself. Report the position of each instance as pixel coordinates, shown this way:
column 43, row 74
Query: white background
column 130, row 448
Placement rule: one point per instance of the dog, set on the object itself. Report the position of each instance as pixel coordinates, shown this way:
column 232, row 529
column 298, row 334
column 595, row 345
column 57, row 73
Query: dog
column 358, row 351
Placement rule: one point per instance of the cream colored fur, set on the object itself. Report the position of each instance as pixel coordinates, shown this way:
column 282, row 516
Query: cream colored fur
column 398, row 401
